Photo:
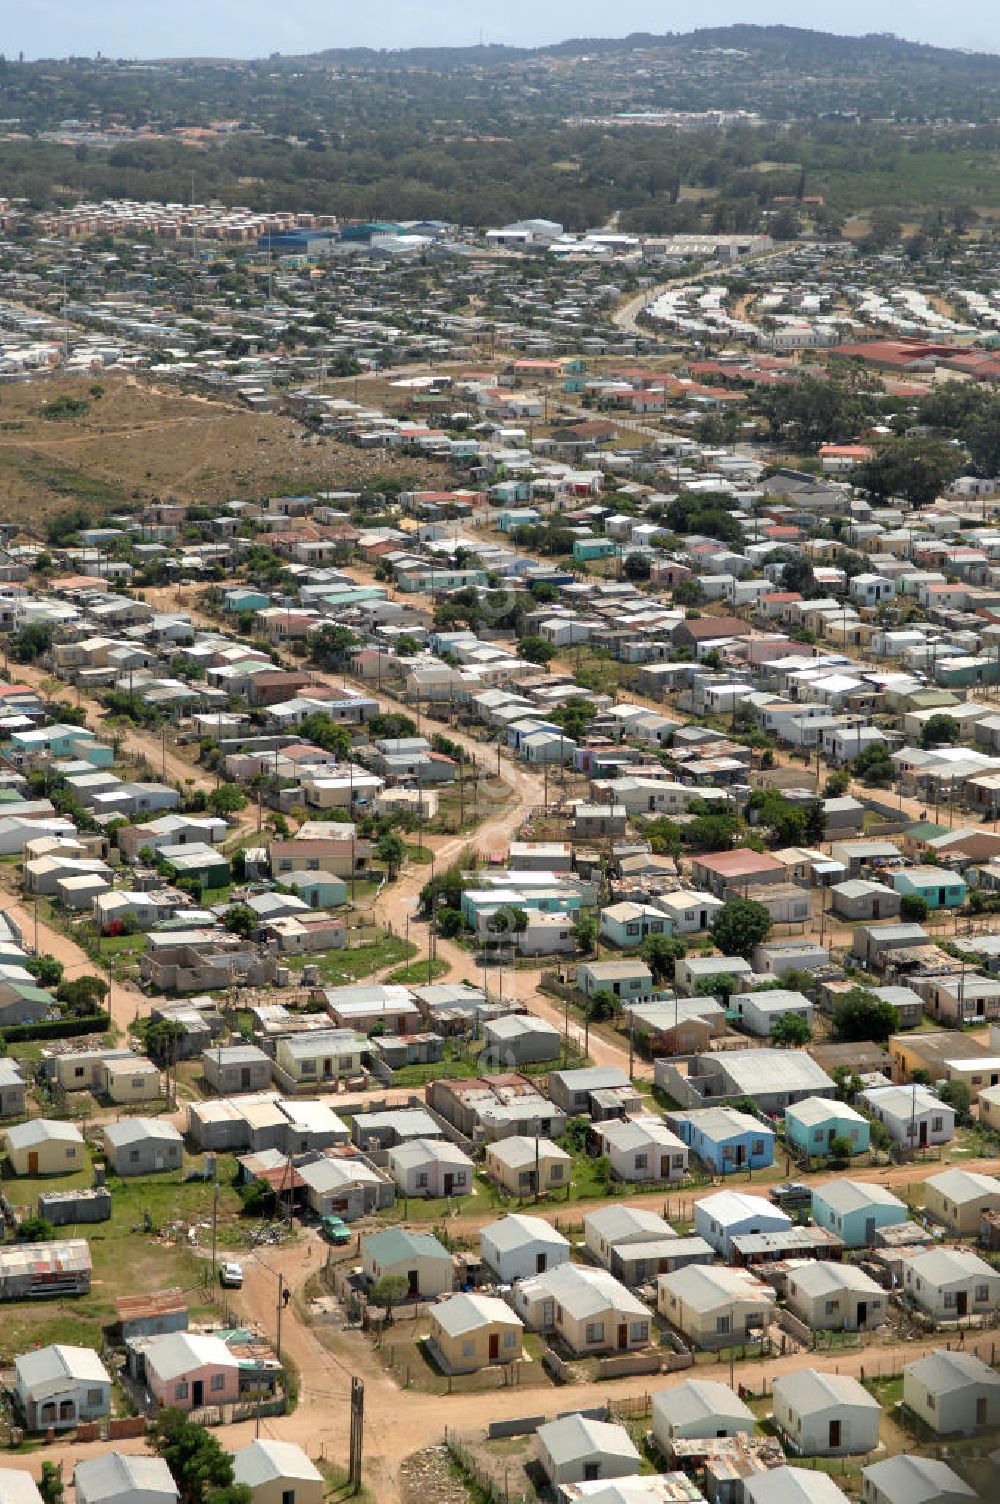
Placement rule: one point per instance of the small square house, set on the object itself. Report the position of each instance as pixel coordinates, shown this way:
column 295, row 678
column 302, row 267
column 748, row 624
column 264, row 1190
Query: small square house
column 913, row 1480
column 714, row 1307
column 953, row 1393
column 519, row 1246
column 950, row 1284
column 114, row 1478
column 958, row 1198
column 826, row 1414
column 470, row 1332
column 423, row 1263
column 43, row 1146
column 791, row 1485
column 236, row 1067
column 835, row 1297
column 278, row 1472
column 699, row 1409
column 586, row 1308
column 142, row 1146
column 577, row 1449
column 814, row 1124
column 855, row 1209
column 130, row 1079
column 187, row 1370
column 730, row 1214
column 60, row 1386
column 524, row 1166
column 617, row 1226
column 643, row 1149
column 517, row 1039
column 431, row 1167
column 913, row 1115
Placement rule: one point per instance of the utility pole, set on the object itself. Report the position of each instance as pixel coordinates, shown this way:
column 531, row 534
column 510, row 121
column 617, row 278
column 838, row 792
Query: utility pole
column 357, row 1433
column 281, row 1307
column 215, row 1223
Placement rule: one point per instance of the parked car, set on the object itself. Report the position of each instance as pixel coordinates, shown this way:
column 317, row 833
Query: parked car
column 792, row 1195
column 231, row 1275
column 335, row 1230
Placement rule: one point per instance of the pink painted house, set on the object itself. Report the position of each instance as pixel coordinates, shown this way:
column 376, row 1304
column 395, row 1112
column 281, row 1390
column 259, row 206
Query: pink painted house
column 186, row 1370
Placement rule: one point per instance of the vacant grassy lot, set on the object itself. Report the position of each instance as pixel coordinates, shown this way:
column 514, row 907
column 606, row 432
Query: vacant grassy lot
column 139, row 440
column 128, row 1258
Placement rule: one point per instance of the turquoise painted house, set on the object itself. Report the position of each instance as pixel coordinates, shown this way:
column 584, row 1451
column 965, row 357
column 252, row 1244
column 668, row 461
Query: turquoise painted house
column 941, row 889
column 55, row 741
column 243, row 599
column 854, row 1209
column 813, row 1124
column 517, row 517
column 480, row 901
column 320, row 890
column 586, row 549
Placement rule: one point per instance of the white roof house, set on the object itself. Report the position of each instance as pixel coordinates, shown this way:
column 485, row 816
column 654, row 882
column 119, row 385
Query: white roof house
column 792, row 1485
column 265, row 1461
column 699, row 1408
column 913, row 1480
column 615, row 1226
column 17, row 1486
column 467, row 1313
column 729, row 1214
column 576, row 1449
column 178, row 1353
column 518, row 1246
column 826, row 1414
column 133, row 1480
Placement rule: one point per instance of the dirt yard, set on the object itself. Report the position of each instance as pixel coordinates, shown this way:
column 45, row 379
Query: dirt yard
column 138, row 440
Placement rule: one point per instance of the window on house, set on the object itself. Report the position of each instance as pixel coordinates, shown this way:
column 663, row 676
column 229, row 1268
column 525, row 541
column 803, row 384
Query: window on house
column 937, row 1124
column 757, row 1147
column 982, row 1292
column 95, row 1396
column 71, row 1153
column 468, row 1348
column 133, row 1155
column 218, row 1381
column 288, row 1496
column 595, row 1331
column 931, row 1402
column 641, row 1161
column 556, row 1172
column 949, row 1297
column 510, row 1339
column 722, row 1324
column 525, row 1177
column 181, row 1390
column 639, row 1331
column 422, row 1179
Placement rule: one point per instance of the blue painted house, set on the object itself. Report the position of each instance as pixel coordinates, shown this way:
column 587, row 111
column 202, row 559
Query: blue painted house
column 724, row 1138
column 320, row 890
column 812, row 1125
column 853, row 1209
column 941, row 889
column 54, row 741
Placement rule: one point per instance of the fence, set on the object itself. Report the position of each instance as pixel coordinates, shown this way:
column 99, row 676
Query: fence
column 475, row 1472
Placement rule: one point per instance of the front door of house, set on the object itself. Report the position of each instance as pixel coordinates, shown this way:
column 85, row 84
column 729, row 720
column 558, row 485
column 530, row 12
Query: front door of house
column 198, row 1393
column 835, row 1433
column 494, row 1346
column 622, row 1336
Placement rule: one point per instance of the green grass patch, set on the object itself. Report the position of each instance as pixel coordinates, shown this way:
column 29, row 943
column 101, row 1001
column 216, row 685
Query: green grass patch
column 414, row 973
column 420, row 855
column 342, row 966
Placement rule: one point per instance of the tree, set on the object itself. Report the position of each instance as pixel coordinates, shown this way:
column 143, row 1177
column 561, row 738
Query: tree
column 636, row 567
column 46, row 970
column 241, row 919
column 957, row 1096
column 407, row 646
column 739, row 925
column 840, row 1148
column 32, row 642
column 660, row 953
column 914, row 908
column 602, row 1004
column 863, row 1015
column 450, row 923
column 721, row 985
column 916, row 469
column 195, row 1458
column 536, row 650
column 82, row 995
column 388, row 1290
column 585, row 932
column 330, row 644
column 391, row 849
column 324, row 732
column 227, row 799
column 50, row 1484
column 790, row 1029
column 874, row 765
column 940, row 730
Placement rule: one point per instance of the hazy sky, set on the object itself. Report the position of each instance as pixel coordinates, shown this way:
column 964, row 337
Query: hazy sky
column 246, row 28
